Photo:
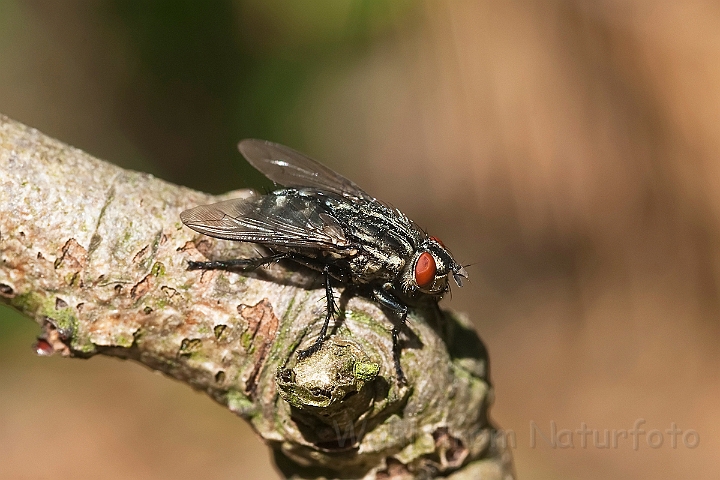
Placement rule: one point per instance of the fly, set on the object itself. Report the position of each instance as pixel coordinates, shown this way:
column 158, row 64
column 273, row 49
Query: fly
column 324, row 221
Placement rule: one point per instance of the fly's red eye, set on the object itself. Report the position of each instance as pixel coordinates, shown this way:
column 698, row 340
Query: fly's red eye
column 438, row 241
column 425, row 270
column 43, row 348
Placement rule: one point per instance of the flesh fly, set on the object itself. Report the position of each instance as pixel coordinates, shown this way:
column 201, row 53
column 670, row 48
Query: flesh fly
column 326, row 222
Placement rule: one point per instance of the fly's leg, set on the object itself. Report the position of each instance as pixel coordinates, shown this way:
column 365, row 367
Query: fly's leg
column 389, row 301
column 240, row 264
column 330, row 299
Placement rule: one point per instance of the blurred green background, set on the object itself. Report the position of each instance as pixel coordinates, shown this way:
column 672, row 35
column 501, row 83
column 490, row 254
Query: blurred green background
column 567, row 149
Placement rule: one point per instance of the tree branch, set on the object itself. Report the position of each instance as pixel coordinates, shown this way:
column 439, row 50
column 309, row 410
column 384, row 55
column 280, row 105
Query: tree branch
column 98, row 257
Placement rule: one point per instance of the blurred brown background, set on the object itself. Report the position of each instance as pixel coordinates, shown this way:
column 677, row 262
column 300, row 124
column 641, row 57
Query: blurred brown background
column 569, row 150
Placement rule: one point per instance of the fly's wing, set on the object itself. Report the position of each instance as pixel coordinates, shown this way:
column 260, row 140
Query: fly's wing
column 289, row 168
column 282, row 220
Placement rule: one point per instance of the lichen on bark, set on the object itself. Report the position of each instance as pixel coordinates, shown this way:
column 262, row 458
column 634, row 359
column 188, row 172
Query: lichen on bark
column 97, row 256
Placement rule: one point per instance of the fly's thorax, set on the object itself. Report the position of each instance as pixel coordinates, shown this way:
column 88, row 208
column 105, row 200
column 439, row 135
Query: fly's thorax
column 372, row 224
column 383, row 237
column 371, row 266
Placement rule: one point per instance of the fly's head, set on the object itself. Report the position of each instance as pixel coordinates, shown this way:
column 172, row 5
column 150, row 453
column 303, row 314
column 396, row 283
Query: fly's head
column 430, row 268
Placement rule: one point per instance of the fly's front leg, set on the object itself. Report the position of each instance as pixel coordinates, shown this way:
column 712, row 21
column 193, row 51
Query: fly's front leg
column 239, row 264
column 387, row 300
column 330, row 300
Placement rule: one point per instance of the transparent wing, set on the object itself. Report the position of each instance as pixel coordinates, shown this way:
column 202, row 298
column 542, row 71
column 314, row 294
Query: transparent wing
column 289, row 168
column 291, row 221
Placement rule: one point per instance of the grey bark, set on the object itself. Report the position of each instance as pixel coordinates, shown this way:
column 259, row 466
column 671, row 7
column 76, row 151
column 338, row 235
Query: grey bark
column 97, row 256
